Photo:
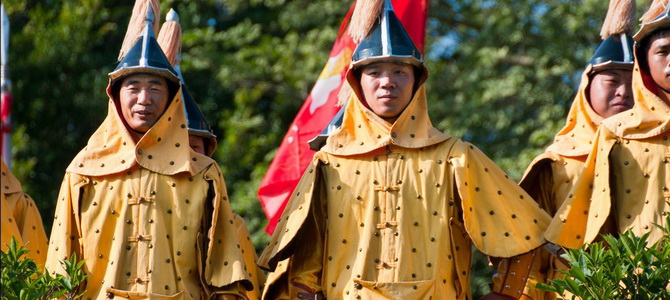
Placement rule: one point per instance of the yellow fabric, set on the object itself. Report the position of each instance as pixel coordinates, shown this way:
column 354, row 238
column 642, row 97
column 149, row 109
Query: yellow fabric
column 256, row 275
column 163, row 149
column 574, row 139
column 551, row 175
column 277, row 286
column 627, row 172
column 21, row 219
column 411, row 130
column 649, row 118
column 152, row 219
column 393, row 221
column 548, row 180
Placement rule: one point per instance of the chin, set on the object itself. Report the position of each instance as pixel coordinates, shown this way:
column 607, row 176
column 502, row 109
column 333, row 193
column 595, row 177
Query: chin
column 140, row 127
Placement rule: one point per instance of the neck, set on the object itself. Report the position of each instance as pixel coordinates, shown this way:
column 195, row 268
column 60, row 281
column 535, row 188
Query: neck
column 664, row 95
column 390, row 120
column 135, row 135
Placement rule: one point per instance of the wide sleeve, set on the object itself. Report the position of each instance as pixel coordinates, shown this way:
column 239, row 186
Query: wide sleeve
column 583, row 213
column 225, row 269
column 500, row 217
column 297, row 269
column 66, row 230
column 29, row 221
column 255, row 274
column 9, row 228
column 292, row 219
column 538, row 182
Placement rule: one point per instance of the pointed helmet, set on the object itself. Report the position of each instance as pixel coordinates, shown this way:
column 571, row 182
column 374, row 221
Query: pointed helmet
column 169, row 39
column 656, row 18
column 145, row 56
column 616, row 50
column 382, row 36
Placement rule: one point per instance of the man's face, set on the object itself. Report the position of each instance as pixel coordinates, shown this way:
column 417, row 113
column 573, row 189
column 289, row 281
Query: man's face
column 197, row 144
column 387, row 88
column 611, row 92
column 658, row 59
column 143, row 98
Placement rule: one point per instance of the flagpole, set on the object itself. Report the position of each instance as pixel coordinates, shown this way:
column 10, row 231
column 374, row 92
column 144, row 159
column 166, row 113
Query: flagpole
column 6, row 89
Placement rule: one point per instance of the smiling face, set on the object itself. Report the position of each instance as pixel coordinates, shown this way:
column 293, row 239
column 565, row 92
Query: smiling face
column 387, row 88
column 658, row 59
column 143, row 98
column 610, row 92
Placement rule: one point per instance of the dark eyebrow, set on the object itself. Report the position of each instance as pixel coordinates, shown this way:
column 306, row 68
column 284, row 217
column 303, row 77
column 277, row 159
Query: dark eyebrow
column 609, row 73
column 155, row 81
column 663, row 45
column 131, row 81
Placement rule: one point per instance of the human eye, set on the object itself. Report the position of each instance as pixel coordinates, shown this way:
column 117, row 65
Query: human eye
column 662, row 50
column 372, row 73
column 132, row 88
column 400, row 72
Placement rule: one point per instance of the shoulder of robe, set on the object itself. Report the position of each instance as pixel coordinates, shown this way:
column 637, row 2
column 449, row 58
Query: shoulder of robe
column 293, row 217
column 540, row 163
column 10, row 184
column 322, row 157
column 212, row 172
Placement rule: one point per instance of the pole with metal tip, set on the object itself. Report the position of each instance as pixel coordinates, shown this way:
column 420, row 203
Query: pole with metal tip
column 6, row 91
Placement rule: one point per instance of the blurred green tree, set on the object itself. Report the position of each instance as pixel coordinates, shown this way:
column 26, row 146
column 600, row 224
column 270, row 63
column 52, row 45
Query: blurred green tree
column 503, row 76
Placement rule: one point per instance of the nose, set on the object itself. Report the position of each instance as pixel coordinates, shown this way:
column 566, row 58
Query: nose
column 387, row 81
column 144, row 97
column 625, row 90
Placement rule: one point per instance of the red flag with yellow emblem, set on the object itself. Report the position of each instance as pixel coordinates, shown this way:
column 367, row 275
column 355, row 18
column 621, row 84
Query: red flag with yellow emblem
column 319, row 108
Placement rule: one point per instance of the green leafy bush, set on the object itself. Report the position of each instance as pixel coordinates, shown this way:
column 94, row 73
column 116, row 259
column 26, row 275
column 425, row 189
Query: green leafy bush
column 22, row 279
column 619, row 268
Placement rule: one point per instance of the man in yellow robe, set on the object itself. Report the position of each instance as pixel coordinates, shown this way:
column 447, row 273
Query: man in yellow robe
column 390, row 206
column 624, row 184
column 150, row 216
column 605, row 90
column 21, row 219
column 203, row 141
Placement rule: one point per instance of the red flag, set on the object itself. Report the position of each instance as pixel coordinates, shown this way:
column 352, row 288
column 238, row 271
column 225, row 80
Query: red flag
column 5, row 114
column 6, row 101
column 319, row 108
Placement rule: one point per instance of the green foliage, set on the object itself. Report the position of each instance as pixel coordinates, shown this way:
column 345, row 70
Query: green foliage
column 22, row 279
column 503, row 74
column 618, row 268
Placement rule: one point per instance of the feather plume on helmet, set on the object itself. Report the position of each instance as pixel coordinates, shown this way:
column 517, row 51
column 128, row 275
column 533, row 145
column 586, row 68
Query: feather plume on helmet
column 656, row 18
column 137, row 23
column 381, row 37
column 169, row 38
column 366, row 13
column 140, row 52
column 620, row 18
column 656, row 8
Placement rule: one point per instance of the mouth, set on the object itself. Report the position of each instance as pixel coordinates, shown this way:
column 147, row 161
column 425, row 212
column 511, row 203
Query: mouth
column 621, row 104
column 387, row 97
column 143, row 114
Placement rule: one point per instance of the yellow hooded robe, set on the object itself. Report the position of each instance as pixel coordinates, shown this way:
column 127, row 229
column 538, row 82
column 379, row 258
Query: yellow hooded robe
column 256, row 275
column 626, row 176
column 389, row 211
column 152, row 219
column 21, row 219
column 551, row 175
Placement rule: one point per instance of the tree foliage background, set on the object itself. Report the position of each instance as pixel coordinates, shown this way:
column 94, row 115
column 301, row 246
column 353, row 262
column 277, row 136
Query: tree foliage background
column 503, row 75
